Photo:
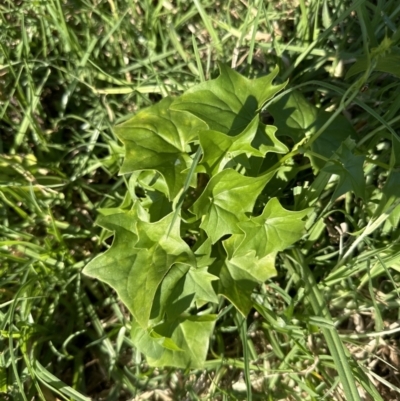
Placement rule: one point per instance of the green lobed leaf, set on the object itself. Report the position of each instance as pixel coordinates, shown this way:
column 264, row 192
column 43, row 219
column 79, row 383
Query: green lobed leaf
column 116, row 218
column 273, row 231
column 194, row 285
column 349, row 168
column 139, row 259
column 294, row 116
column 239, row 275
column 331, row 139
column 145, row 343
column 391, row 190
column 266, row 141
column 180, row 288
column 198, row 282
column 168, row 295
column 182, row 343
column 150, row 180
column 390, row 194
column 228, row 103
column 389, row 64
column 156, row 201
column 225, row 201
column 219, row 149
column 235, row 284
column 157, row 139
column 260, row 269
column 203, row 254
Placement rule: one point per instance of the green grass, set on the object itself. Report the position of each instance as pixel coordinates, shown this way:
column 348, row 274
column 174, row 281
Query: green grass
column 69, row 71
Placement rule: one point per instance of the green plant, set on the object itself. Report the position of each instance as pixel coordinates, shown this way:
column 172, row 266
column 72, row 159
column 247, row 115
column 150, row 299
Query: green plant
column 69, row 70
column 200, row 218
column 171, row 250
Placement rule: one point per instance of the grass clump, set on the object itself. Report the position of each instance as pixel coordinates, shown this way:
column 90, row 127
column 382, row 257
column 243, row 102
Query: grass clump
column 72, row 69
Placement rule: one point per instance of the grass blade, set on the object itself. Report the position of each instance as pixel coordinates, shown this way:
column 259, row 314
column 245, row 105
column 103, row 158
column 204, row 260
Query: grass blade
column 338, row 351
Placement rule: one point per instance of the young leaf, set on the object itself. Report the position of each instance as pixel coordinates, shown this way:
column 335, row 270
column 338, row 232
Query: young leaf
column 266, row 141
column 260, row 269
column 138, row 261
column 180, row 288
column 239, row 275
column 389, row 64
column 219, row 149
column 273, row 231
column 228, row 103
column 225, row 201
column 331, row 139
column 194, row 285
column 198, row 282
column 182, row 343
column 295, row 116
column 116, row 218
column 390, row 193
column 349, row 168
column 169, row 295
column 235, row 284
column 156, row 139
column 151, row 346
column 203, row 254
